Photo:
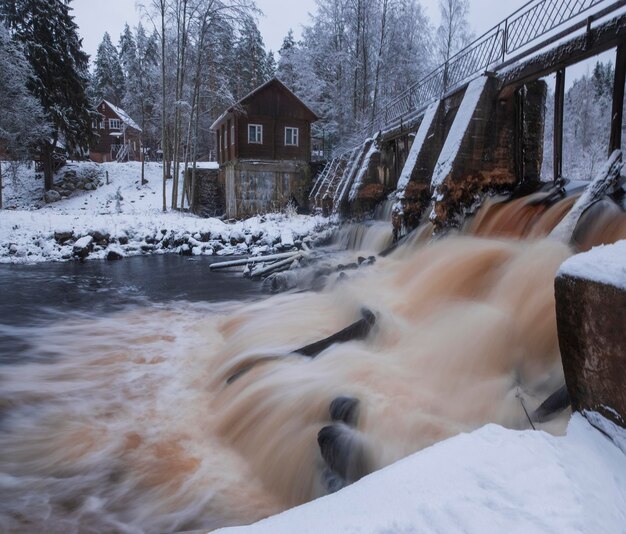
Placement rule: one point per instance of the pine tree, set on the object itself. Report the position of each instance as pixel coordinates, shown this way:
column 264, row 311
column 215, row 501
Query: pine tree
column 22, row 122
column 108, row 74
column 128, row 53
column 285, row 68
column 51, row 45
column 251, row 59
column 270, row 65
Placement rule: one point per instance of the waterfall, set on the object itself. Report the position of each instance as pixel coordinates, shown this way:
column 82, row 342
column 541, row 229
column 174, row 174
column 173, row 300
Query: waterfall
column 124, row 421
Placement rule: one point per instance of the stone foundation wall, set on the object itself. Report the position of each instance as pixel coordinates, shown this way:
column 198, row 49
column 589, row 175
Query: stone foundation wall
column 253, row 187
column 209, row 198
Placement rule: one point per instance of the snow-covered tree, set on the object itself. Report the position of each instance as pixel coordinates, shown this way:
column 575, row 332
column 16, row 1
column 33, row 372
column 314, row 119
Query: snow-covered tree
column 285, row 70
column 453, row 32
column 250, row 59
column 108, row 77
column 49, row 37
column 22, row 121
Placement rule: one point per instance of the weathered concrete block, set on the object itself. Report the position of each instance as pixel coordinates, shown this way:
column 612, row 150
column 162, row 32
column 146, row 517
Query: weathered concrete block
column 591, row 319
column 491, row 148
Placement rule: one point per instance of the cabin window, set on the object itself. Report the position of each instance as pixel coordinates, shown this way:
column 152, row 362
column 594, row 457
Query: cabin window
column 255, row 134
column 102, row 124
column 94, row 125
column 291, row 136
column 232, row 134
column 115, row 124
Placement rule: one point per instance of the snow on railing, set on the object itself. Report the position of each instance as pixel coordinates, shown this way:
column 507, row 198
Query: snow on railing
column 490, row 51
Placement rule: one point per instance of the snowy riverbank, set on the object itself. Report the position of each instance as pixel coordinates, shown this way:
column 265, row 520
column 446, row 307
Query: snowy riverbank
column 491, row 480
column 125, row 218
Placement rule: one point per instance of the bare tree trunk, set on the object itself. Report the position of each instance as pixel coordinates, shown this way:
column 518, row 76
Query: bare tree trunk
column 383, row 36
column 180, row 81
column 163, row 128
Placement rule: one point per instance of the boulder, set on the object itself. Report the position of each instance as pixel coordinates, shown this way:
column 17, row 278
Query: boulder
column 101, row 237
column 52, row 196
column 591, row 314
column 83, row 247
column 63, row 236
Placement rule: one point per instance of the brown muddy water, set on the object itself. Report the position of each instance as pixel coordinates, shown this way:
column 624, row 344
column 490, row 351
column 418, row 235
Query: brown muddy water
column 116, row 414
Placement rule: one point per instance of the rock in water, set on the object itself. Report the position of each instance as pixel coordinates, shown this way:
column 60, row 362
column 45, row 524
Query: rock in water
column 345, row 409
column 343, row 450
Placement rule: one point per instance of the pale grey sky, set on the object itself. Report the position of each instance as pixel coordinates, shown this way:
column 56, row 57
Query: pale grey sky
column 94, row 17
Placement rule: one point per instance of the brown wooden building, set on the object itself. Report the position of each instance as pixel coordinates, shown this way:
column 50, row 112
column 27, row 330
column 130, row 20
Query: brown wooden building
column 119, row 136
column 264, row 150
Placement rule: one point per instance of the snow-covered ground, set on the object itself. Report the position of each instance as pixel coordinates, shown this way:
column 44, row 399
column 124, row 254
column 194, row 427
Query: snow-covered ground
column 492, row 480
column 126, row 217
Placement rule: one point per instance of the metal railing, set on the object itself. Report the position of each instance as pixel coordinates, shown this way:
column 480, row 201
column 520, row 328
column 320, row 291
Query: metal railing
column 491, row 50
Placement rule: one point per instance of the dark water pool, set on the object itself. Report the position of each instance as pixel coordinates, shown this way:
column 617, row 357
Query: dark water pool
column 33, row 295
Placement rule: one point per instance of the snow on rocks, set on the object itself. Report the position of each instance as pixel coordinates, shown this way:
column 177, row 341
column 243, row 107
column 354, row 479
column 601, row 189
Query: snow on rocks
column 491, row 480
column 605, row 264
column 128, row 215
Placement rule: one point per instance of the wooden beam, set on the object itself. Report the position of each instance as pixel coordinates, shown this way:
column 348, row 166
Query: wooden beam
column 518, row 97
column 617, row 114
column 596, row 40
column 559, row 99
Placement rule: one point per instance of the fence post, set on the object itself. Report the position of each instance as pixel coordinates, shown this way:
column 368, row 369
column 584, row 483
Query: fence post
column 505, row 37
column 618, row 98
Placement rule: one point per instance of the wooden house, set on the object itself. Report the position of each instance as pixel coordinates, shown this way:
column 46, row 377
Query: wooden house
column 118, row 135
column 264, row 150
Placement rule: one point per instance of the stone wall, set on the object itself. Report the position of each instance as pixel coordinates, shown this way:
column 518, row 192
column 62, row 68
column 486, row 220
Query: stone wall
column 591, row 317
column 209, row 198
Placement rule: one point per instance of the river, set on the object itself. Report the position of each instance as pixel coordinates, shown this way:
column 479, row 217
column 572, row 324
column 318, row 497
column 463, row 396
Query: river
column 117, row 412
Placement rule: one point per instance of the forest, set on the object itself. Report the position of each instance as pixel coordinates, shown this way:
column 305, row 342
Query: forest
column 188, row 60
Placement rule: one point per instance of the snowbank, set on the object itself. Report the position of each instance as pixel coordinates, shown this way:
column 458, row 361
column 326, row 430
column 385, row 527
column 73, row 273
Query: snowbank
column 492, row 480
column 605, row 264
column 126, row 217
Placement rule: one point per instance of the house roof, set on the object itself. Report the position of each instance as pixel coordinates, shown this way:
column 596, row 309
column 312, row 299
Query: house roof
column 124, row 117
column 272, row 81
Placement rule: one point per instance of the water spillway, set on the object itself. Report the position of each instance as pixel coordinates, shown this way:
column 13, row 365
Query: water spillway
column 124, row 421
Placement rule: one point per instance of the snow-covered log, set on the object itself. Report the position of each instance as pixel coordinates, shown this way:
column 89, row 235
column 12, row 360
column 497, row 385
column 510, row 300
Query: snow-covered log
column 251, row 260
column 276, row 266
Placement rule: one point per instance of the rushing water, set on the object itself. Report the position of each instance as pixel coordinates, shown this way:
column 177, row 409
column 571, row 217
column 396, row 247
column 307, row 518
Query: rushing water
column 118, row 417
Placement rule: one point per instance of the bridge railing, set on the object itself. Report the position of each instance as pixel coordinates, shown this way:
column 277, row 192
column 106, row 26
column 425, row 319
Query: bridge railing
column 534, row 20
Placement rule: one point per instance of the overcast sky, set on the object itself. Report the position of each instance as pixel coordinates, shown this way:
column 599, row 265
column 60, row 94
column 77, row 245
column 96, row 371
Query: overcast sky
column 94, row 17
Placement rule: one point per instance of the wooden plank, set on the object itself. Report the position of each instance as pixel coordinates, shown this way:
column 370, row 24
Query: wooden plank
column 617, row 114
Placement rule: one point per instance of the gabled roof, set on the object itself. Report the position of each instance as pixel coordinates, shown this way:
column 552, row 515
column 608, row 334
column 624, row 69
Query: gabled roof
column 124, row 117
column 272, row 81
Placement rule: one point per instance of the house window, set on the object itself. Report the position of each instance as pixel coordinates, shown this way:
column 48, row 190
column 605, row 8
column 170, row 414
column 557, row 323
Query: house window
column 94, row 125
column 255, row 134
column 115, row 124
column 232, row 134
column 102, row 125
column 291, row 136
